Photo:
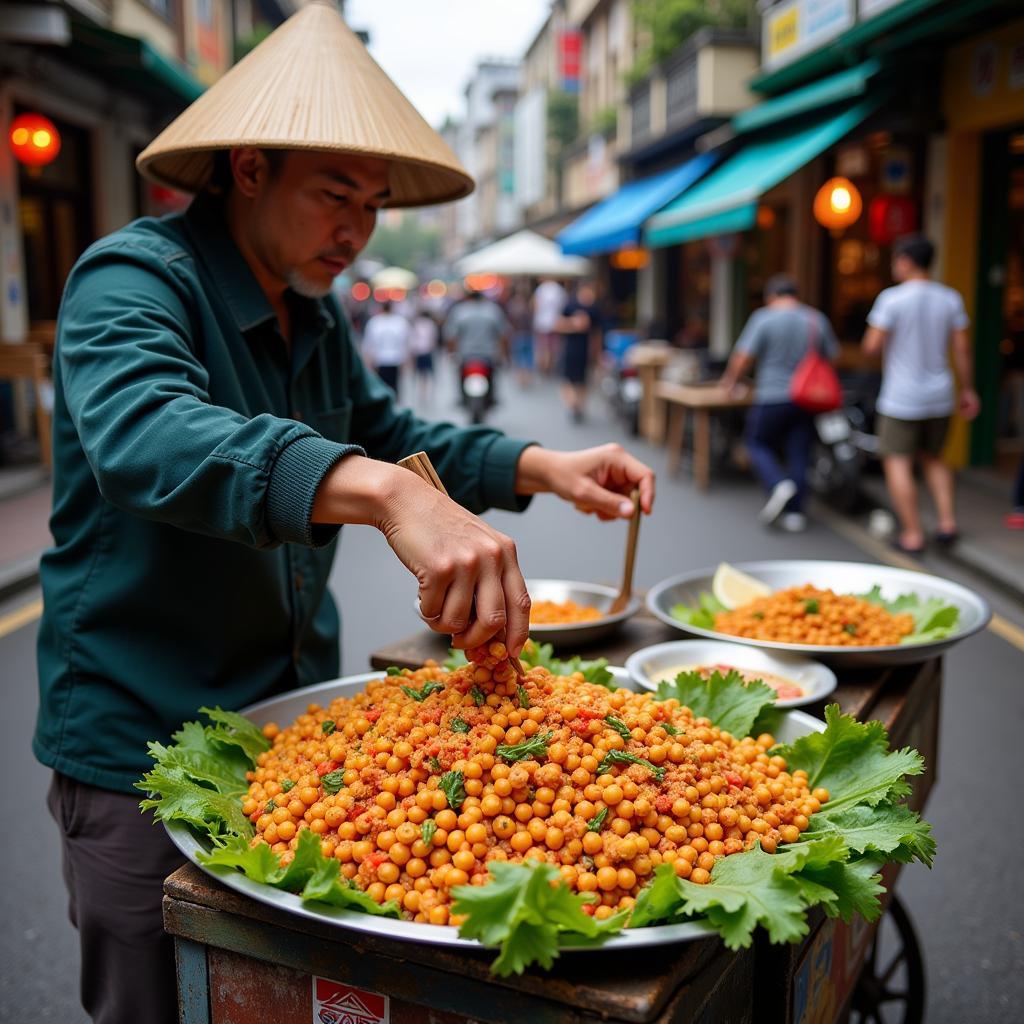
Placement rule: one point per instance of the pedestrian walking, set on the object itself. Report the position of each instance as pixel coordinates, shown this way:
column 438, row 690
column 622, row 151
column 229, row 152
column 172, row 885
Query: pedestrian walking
column 578, row 326
column 520, row 318
column 548, row 302
column 915, row 325
column 386, row 344
column 780, row 433
column 423, row 341
column 201, row 475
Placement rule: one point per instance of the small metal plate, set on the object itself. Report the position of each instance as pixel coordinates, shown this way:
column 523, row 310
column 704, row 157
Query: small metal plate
column 285, row 709
column 578, row 634
column 843, row 578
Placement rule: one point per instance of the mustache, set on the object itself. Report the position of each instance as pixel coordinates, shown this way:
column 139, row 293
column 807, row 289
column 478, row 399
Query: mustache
column 342, row 252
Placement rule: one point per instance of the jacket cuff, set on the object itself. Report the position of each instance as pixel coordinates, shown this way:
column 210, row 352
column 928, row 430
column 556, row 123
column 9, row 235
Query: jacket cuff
column 294, row 480
column 498, row 475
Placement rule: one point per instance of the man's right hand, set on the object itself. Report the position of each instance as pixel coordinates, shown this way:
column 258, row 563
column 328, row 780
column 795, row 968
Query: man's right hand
column 470, row 583
column 969, row 404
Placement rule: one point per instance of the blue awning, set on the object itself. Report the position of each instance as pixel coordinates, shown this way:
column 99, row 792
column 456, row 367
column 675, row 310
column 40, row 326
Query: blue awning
column 617, row 221
column 726, row 200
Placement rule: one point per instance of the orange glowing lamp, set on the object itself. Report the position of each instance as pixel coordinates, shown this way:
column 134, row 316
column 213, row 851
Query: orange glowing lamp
column 34, row 140
column 838, row 204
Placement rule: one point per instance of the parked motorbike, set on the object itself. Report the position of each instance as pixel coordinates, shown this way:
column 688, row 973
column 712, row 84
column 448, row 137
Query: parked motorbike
column 620, row 382
column 844, row 442
column 477, row 388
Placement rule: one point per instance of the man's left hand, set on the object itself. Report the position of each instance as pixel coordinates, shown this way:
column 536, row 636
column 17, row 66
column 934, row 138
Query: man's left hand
column 597, row 480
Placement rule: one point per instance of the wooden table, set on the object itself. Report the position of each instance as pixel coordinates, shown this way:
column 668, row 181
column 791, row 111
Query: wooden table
column 650, row 358
column 701, row 401
column 240, row 961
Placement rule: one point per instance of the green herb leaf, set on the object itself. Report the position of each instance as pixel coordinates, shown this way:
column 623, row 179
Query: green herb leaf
column 524, row 697
column 729, row 702
column 850, row 628
column 451, row 785
column 435, row 764
column 394, row 670
column 851, row 760
column 598, row 820
column 427, row 830
column 456, row 659
column 478, row 696
column 269, row 806
column 669, row 728
column 811, row 606
column 895, row 831
column 535, row 747
column 327, row 727
column 619, row 726
column 703, row 616
column 933, row 618
column 525, row 909
column 421, row 695
column 622, row 757
column 334, row 781
column 288, row 785
column 459, row 724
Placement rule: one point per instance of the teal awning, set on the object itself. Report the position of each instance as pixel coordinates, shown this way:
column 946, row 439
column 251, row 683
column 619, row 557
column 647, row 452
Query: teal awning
column 133, row 62
column 726, row 200
column 618, row 220
column 837, row 88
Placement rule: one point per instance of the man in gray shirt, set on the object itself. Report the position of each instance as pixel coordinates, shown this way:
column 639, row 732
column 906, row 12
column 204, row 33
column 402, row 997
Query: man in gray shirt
column 776, row 338
column 476, row 328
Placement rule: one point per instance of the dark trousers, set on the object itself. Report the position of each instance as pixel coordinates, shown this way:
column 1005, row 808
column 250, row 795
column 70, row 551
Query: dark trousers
column 781, row 427
column 389, row 374
column 115, row 860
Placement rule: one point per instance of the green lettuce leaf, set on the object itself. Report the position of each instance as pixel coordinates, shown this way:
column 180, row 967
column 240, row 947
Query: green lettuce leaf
column 895, row 831
column 176, row 796
column 524, row 909
column 232, row 727
column 933, row 618
column 852, row 761
column 703, row 616
column 726, row 700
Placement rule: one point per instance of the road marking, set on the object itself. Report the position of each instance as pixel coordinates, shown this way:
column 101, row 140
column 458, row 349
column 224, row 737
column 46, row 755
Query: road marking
column 20, row 617
column 858, row 536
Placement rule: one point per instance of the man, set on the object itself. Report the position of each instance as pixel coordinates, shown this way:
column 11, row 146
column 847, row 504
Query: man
column 914, row 325
column 213, row 428
column 577, row 325
column 549, row 299
column 386, row 344
column 776, row 338
column 477, row 328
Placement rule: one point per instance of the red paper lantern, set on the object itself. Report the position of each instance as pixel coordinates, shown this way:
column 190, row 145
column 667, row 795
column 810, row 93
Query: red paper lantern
column 34, row 140
column 889, row 217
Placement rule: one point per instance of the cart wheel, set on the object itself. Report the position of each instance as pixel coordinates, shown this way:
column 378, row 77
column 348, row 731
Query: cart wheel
column 890, row 989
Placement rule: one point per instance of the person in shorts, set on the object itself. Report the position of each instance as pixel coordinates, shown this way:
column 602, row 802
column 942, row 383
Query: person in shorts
column 577, row 325
column 916, row 325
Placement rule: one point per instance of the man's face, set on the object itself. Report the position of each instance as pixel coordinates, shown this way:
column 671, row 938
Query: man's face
column 312, row 214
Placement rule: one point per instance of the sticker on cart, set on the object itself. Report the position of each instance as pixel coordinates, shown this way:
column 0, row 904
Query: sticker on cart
column 334, row 1003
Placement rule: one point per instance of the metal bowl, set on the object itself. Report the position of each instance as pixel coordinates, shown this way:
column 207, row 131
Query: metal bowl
column 289, row 706
column 844, row 578
column 650, row 665
column 578, row 634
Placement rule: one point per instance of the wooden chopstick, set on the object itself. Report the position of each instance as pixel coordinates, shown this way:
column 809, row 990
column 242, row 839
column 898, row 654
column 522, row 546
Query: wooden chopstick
column 421, row 465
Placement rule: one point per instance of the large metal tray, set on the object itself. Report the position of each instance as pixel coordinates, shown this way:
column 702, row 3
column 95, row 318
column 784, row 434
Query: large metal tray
column 287, row 708
column 844, row 578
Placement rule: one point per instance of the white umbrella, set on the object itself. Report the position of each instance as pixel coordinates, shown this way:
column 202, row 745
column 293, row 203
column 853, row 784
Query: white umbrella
column 395, row 277
column 524, row 254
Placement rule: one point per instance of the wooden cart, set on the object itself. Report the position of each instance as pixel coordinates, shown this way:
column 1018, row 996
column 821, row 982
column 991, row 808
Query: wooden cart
column 240, row 962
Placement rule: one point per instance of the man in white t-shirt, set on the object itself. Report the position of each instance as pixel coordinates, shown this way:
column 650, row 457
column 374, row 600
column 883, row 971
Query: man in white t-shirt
column 915, row 325
column 548, row 301
column 386, row 344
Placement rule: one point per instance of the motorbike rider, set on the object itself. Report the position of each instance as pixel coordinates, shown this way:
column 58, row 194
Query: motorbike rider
column 477, row 330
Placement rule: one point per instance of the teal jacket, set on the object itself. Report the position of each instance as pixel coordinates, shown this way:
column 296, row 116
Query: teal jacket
column 189, row 442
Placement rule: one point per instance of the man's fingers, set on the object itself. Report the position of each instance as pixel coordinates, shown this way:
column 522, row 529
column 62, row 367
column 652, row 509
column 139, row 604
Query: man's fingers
column 433, row 590
column 457, row 611
column 488, row 613
column 592, row 497
column 517, row 608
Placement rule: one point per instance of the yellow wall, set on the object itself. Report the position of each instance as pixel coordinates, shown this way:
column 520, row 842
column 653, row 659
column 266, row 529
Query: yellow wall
column 969, row 116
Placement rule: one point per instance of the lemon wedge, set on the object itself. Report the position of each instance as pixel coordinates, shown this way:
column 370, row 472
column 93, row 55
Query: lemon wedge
column 733, row 588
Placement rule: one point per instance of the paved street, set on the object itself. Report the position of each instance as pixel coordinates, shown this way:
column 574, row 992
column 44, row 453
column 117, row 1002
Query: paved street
column 966, row 909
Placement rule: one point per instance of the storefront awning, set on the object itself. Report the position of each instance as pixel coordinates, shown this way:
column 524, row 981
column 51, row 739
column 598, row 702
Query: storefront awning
column 133, row 62
column 617, row 221
column 843, row 86
column 726, row 200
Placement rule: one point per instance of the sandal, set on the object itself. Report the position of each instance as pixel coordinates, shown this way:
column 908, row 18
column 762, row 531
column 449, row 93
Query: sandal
column 946, row 540
column 897, row 545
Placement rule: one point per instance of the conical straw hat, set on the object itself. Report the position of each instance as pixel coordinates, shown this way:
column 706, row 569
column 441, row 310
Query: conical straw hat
column 311, row 84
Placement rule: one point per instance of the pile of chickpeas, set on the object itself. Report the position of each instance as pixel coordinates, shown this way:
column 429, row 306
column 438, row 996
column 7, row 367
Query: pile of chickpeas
column 809, row 615
column 416, row 784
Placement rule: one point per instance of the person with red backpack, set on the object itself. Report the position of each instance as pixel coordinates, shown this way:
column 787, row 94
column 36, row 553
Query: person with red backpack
column 788, row 341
